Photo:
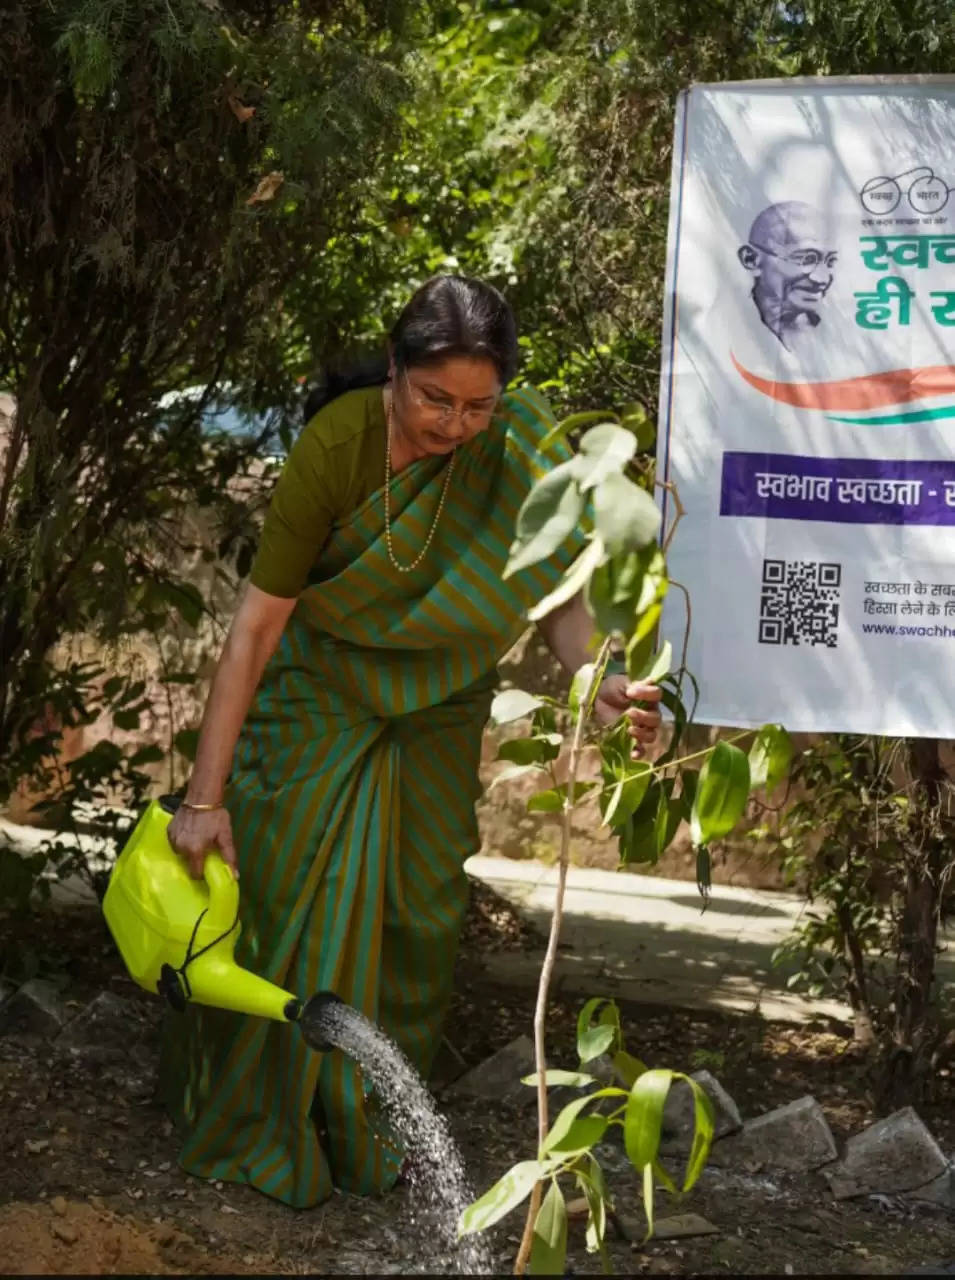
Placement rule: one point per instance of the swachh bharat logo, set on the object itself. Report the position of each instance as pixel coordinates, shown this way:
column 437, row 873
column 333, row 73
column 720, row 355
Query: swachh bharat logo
column 791, row 263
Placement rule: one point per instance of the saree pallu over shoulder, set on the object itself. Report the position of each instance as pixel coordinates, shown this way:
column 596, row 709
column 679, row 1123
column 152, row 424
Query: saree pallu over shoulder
column 447, row 622
column 352, row 799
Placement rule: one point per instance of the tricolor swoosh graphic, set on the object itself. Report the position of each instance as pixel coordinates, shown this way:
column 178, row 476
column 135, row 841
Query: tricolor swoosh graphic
column 871, row 391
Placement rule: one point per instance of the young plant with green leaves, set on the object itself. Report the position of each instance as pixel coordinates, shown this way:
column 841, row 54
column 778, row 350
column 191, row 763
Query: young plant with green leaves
column 622, row 574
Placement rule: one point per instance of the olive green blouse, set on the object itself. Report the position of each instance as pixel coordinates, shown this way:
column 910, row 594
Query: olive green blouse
column 335, row 465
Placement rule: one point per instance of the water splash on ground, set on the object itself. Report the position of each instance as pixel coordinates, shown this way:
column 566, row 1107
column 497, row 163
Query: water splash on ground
column 439, row 1186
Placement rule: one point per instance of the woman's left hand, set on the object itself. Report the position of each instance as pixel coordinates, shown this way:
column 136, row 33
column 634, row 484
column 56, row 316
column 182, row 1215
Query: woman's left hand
column 616, row 697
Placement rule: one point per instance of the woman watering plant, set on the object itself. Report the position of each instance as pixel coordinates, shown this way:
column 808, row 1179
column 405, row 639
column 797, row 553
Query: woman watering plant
column 337, row 766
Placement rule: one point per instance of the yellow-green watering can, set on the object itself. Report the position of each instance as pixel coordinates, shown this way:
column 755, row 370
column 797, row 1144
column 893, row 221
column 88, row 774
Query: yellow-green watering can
column 177, row 935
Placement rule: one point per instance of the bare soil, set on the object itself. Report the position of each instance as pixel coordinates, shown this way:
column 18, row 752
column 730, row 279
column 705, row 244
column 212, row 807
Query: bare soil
column 89, row 1182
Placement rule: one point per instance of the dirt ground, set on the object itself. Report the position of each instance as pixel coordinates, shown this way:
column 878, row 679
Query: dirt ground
column 89, row 1182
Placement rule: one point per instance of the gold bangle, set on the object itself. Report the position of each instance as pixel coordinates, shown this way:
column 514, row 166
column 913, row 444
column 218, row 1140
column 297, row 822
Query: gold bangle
column 202, row 808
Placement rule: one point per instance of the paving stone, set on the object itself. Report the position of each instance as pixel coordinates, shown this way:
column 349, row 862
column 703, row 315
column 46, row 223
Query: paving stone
column 499, row 1077
column 940, row 1191
column 679, row 1114
column 35, row 1011
column 104, row 1031
column 795, row 1138
column 893, row 1155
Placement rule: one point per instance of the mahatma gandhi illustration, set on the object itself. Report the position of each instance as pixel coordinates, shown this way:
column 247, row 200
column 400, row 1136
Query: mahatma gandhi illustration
column 791, row 260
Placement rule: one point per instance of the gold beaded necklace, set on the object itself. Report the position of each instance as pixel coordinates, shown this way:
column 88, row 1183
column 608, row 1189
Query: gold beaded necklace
column 406, row 568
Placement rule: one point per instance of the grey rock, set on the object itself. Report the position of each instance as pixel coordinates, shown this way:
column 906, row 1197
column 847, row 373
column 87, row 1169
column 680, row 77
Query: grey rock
column 940, row 1191
column 35, row 1011
column 682, row 1226
column 499, row 1077
column 895, row 1154
column 105, row 1031
column 795, row 1138
column 679, row 1119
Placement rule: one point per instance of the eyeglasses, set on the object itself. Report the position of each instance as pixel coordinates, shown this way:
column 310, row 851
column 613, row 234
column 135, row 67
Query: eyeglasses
column 808, row 259
column 438, row 411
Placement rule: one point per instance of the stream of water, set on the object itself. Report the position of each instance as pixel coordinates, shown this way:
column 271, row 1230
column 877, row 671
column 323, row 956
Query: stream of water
column 439, row 1184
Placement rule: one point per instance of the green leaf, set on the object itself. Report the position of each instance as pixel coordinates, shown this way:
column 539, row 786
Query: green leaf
column 549, row 1243
column 639, row 649
column 704, row 872
column 563, row 1123
column 643, row 1118
column 658, row 666
column 574, row 580
column 648, row 1172
column 770, row 757
column 574, row 423
column 512, row 704
column 628, row 793
column 505, row 1195
column 146, row 755
column 593, row 1042
column 604, row 450
column 569, row 1079
column 703, row 1127
column 625, row 515
column 536, row 750
column 721, row 794
column 689, row 780
column 548, row 516
column 634, row 418
column 582, row 687
column 595, row 1189
column 584, row 1133
column 545, row 720
column 126, row 719
column 627, row 1067
column 586, row 1015
column 667, row 822
column 545, row 802
column 552, row 800
column 513, row 771
column 618, row 592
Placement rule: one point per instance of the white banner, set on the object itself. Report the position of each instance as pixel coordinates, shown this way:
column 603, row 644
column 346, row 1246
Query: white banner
column 808, row 403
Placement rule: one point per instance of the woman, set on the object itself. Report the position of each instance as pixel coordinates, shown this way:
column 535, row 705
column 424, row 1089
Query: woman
column 365, row 646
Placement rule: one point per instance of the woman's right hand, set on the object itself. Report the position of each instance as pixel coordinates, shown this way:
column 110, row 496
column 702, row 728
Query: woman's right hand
column 193, row 835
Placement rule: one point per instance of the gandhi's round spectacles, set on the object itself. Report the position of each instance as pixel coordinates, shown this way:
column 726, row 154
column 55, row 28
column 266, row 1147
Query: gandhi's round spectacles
column 806, row 258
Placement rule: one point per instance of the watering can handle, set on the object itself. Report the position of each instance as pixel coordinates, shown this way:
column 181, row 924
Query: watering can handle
column 223, row 892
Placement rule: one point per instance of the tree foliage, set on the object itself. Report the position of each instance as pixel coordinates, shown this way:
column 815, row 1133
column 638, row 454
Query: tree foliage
column 168, row 171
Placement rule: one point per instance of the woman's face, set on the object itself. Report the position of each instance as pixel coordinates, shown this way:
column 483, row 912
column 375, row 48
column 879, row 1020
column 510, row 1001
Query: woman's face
column 440, row 406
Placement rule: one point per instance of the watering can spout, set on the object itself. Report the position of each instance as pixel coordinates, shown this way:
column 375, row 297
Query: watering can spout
column 177, row 935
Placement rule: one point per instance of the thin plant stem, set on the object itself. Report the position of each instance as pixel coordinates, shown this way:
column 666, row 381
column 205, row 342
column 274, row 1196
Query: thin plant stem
column 550, row 956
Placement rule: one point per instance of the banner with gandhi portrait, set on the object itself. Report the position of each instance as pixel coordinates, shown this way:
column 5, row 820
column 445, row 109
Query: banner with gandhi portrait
column 808, row 403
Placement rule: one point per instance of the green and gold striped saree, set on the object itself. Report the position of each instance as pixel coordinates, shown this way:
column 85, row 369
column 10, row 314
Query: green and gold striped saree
column 352, row 800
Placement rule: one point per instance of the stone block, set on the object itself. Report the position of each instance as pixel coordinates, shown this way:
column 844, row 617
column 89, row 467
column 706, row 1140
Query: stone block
column 679, row 1118
column 105, row 1031
column 498, row 1078
column 940, row 1191
column 35, row 1010
column 795, row 1138
column 893, row 1155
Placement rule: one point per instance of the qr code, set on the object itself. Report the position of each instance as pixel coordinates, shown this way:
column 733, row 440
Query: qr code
column 799, row 602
